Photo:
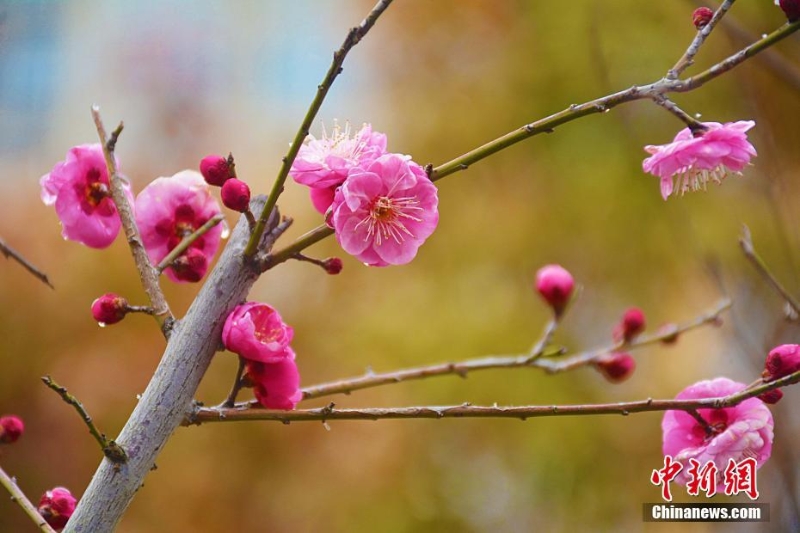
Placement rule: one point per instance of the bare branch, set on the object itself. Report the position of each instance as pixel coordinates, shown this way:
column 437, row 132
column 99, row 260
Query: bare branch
column 746, row 242
column 18, row 497
column 9, row 252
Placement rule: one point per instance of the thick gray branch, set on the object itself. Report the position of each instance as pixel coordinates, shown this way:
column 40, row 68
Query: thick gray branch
column 168, row 397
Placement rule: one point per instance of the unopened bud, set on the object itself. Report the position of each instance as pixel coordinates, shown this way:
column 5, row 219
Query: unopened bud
column 332, row 265
column 216, row 170
column 555, row 284
column 782, row 361
column 110, row 308
column 630, row 326
column 236, row 195
column 56, row 506
column 790, row 8
column 771, row 396
column 11, row 428
column 701, row 16
column 615, row 367
column 191, row 266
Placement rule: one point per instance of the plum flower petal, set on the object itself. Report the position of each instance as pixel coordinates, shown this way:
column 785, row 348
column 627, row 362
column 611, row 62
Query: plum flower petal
column 739, row 432
column 169, row 209
column 56, row 507
column 384, row 212
column 79, row 189
column 276, row 385
column 695, row 160
column 257, row 332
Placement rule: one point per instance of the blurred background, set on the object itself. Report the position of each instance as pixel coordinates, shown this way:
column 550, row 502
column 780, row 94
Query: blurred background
column 439, row 78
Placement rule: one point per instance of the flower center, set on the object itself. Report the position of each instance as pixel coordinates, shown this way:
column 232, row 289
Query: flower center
column 92, row 191
column 341, row 144
column 387, row 218
column 716, row 423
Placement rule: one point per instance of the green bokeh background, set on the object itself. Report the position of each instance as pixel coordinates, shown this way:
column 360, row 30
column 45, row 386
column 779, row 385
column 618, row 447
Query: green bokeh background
column 440, row 78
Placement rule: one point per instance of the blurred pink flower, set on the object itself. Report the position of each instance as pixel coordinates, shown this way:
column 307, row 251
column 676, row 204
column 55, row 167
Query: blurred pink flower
column 781, row 361
column 737, row 432
column 11, row 429
column 276, row 385
column 56, row 506
column 710, row 156
column 555, row 284
column 324, row 163
column 257, row 332
column 384, row 212
column 80, row 190
column 169, row 209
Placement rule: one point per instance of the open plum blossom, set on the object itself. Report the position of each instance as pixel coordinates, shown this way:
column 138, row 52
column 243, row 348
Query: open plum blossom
column 169, row 209
column 695, row 160
column 384, row 212
column 258, row 333
column 734, row 433
column 323, row 164
column 276, row 385
column 79, row 189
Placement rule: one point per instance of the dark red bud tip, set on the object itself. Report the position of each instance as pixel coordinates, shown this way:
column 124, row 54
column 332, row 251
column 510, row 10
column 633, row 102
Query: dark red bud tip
column 236, row 195
column 555, row 284
column 56, row 506
column 771, row 396
column 110, row 308
column 782, row 361
column 616, row 367
column 631, row 325
column 191, row 266
column 332, row 265
column 11, row 429
column 791, row 8
column 216, row 170
column 701, row 16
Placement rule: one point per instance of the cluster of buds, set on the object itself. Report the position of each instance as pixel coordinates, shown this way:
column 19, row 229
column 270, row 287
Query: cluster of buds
column 221, row 172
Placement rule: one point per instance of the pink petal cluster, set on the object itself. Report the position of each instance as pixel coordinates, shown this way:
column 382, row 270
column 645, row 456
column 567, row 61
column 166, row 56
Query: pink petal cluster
column 737, row 432
column 384, row 212
column 169, row 209
column 79, row 189
column 781, row 361
column 56, row 506
column 695, row 160
column 11, row 429
column 256, row 332
column 323, row 164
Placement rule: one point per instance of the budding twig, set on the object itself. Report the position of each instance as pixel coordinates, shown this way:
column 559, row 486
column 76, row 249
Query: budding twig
column 111, row 449
column 9, row 252
column 187, row 241
column 18, row 497
column 746, row 242
column 354, row 36
column 688, row 57
column 147, row 273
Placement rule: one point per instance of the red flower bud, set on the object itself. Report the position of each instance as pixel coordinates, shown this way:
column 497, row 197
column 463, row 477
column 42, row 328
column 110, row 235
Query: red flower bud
column 236, row 195
column 782, row 361
column 630, row 326
column 216, row 170
column 701, row 16
column 555, row 284
column 791, row 8
column 332, row 265
column 191, row 266
column 615, row 367
column 771, row 396
column 11, row 428
column 110, row 308
column 56, row 506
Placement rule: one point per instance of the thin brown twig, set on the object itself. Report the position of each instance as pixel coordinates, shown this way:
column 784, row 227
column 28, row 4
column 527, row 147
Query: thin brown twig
column 688, row 57
column 18, row 497
column 746, row 242
column 9, row 252
column 147, row 272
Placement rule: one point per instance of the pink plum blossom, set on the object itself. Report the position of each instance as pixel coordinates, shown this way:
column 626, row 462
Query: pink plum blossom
column 80, row 190
column 325, row 163
column 169, row 209
column 711, row 155
column 276, row 385
column 56, row 506
column 384, row 212
column 257, row 332
column 737, row 433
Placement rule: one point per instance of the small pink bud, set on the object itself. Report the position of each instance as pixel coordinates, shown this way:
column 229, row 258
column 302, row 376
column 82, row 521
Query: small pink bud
column 236, row 195
column 11, row 428
column 56, row 506
column 782, row 361
column 332, row 265
column 216, row 170
column 701, row 16
column 791, row 8
column 630, row 326
column 615, row 367
column 191, row 266
column 555, row 284
column 110, row 308
column 771, row 396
